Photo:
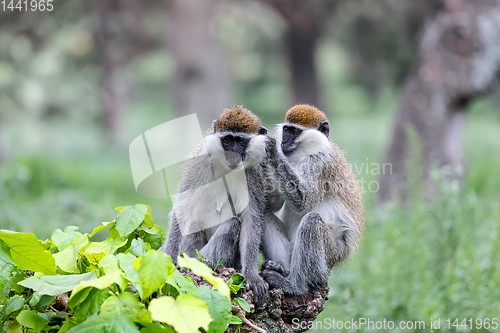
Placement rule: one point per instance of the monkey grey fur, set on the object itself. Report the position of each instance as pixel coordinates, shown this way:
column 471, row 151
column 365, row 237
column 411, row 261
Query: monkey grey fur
column 323, row 212
column 237, row 138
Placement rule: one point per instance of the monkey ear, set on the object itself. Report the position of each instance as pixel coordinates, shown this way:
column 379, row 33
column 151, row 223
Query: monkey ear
column 214, row 126
column 262, row 130
column 324, row 128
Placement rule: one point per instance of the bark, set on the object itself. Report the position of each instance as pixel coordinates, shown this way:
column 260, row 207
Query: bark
column 120, row 34
column 276, row 315
column 305, row 27
column 459, row 59
column 200, row 83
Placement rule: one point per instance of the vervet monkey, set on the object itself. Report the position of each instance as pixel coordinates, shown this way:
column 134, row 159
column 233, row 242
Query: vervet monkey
column 323, row 211
column 225, row 179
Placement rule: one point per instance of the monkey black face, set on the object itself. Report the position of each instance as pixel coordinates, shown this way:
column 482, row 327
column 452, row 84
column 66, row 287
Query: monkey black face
column 291, row 133
column 235, row 147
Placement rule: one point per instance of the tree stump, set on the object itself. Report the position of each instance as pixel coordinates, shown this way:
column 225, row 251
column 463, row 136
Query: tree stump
column 280, row 313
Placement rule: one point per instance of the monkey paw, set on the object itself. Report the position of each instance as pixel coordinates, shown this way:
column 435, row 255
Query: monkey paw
column 275, row 266
column 275, row 279
column 259, row 288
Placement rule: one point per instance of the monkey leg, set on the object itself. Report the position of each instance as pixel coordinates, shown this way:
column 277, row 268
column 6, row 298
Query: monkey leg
column 224, row 244
column 313, row 245
column 275, row 245
column 172, row 245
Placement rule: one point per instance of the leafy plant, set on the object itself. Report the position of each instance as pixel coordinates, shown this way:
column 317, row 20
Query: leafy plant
column 70, row 283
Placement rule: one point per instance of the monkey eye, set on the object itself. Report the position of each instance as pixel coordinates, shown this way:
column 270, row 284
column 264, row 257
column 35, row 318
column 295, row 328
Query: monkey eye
column 226, row 140
column 240, row 139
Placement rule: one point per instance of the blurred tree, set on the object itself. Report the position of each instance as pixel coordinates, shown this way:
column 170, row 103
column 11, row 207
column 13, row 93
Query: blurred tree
column 459, row 58
column 200, row 84
column 120, row 33
column 306, row 22
column 381, row 49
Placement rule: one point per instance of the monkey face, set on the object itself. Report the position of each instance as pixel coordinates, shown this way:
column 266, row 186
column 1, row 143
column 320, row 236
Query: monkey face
column 289, row 143
column 235, row 147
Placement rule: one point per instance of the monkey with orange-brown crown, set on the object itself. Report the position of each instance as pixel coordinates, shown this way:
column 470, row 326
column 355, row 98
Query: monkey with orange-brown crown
column 323, row 211
column 224, row 198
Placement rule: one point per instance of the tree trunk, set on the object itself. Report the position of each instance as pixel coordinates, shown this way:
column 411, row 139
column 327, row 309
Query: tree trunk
column 459, row 58
column 303, row 31
column 200, row 83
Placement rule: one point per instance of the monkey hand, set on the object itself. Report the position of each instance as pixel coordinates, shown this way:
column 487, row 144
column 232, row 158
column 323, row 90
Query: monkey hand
column 277, row 280
column 271, row 150
column 259, row 288
column 275, row 266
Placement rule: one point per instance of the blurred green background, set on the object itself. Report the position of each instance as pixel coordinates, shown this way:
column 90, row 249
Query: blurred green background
column 64, row 154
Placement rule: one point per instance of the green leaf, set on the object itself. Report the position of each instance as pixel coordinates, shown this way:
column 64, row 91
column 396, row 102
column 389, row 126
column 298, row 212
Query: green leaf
column 14, row 304
column 56, row 284
column 7, row 266
column 126, row 304
column 182, row 284
column 126, row 262
column 148, row 220
column 39, row 300
column 204, row 271
column 27, row 253
column 219, row 308
column 101, row 283
column 155, row 268
column 63, row 239
column 154, row 328
column 67, row 258
column 108, row 246
column 95, row 258
column 130, row 218
column 101, row 227
column 138, row 248
column 242, row 303
column 109, row 263
column 31, row 319
column 90, row 305
column 236, row 282
column 235, row 320
column 186, row 314
column 111, row 323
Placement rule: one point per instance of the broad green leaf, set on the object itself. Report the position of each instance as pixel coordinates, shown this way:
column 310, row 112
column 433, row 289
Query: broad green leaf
column 235, row 320
column 182, row 284
column 90, row 305
column 101, row 283
column 31, row 319
column 39, row 300
column 110, row 323
column 185, row 314
column 155, row 268
column 27, row 253
column 108, row 246
column 66, row 259
column 6, row 264
column 205, row 272
column 126, row 304
column 95, row 257
column 219, row 308
column 148, row 220
column 154, row 328
column 236, row 282
column 242, row 303
column 108, row 263
column 63, row 239
column 14, row 304
column 138, row 248
column 101, row 227
column 126, row 262
column 130, row 218
column 56, row 284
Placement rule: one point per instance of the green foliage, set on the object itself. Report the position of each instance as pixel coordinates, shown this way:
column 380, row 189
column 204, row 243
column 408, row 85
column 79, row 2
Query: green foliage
column 120, row 284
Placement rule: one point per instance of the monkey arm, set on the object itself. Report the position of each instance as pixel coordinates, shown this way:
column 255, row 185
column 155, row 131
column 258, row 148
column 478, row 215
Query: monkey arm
column 292, row 184
column 250, row 239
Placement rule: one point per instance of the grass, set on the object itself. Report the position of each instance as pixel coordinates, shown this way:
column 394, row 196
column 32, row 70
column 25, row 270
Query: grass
column 435, row 260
